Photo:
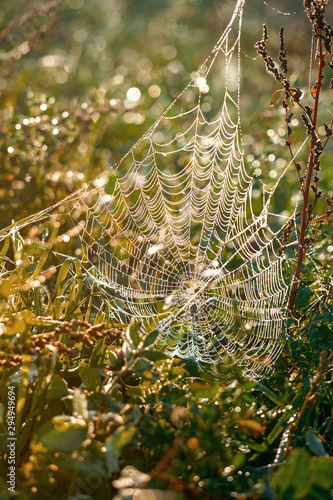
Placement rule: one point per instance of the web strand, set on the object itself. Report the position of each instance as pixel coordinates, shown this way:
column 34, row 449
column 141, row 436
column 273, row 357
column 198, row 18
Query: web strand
column 170, row 234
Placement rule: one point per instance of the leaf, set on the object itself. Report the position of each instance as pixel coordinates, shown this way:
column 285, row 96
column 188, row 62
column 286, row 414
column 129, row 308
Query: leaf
column 269, row 393
column 120, row 438
column 7, row 287
column 4, row 248
column 325, row 334
column 134, row 330
column 251, row 426
column 140, row 366
column 247, row 398
column 19, row 322
column 191, row 366
column 109, row 188
column 58, row 388
column 147, row 375
column 154, row 355
column 75, row 290
column 293, row 480
column 322, row 472
column 239, row 460
column 43, row 258
column 315, row 444
column 90, row 303
column 61, row 280
column 91, row 377
column 64, row 433
column 151, row 338
column 303, row 296
column 98, row 354
column 261, row 448
column 296, row 404
column 247, row 386
column 23, row 388
column 201, row 390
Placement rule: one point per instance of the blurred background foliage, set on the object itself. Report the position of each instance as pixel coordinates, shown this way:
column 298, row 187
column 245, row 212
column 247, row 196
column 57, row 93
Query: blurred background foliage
column 66, row 68
column 80, row 82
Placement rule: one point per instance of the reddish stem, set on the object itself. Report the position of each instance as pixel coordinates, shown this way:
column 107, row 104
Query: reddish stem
column 305, row 193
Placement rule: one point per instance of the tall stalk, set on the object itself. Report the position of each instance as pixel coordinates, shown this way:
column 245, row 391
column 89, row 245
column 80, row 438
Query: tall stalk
column 306, row 213
column 315, row 10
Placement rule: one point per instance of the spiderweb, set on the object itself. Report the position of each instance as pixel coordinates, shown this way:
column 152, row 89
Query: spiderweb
column 171, row 235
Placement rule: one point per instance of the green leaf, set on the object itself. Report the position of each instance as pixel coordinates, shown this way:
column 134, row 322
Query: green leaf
column 134, row 333
column 118, row 439
column 322, row 472
column 4, row 248
column 201, row 390
column 140, row 366
column 109, row 188
column 191, row 366
column 43, row 258
column 64, row 433
column 98, row 354
column 91, row 377
column 296, row 404
column 61, row 279
column 293, row 480
column 269, row 393
column 247, row 386
column 239, row 460
column 154, row 355
column 315, row 444
column 325, row 334
column 247, row 398
column 151, row 338
column 261, row 448
column 23, row 388
column 303, row 296
column 58, row 388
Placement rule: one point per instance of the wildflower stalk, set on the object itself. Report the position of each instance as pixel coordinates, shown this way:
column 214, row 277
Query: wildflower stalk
column 323, row 32
column 306, row 213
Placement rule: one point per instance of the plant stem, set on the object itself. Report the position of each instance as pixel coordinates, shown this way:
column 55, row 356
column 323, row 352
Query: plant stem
column 305, row 192
column 312, row 395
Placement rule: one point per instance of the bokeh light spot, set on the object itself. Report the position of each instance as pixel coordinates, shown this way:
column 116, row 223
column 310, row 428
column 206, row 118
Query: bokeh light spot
column 133, row 94
column 154, row 91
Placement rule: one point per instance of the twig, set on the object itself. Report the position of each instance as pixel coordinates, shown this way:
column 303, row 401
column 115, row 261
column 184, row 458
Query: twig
column 160, row 472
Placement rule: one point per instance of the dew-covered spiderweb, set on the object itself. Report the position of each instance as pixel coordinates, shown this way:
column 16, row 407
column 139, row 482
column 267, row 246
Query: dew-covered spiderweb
column 171, row 235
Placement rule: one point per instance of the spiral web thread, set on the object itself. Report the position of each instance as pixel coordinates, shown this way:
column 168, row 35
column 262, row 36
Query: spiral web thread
column 171, row 235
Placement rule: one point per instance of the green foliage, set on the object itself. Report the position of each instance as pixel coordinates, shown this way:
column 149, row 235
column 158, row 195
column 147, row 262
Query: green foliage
column 304, row 476
column 93, row 403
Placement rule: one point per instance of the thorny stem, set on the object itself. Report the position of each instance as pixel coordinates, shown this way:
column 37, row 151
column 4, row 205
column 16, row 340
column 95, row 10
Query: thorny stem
column 305, row 192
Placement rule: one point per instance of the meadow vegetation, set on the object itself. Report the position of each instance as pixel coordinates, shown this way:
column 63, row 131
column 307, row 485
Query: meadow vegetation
column 100, row 413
